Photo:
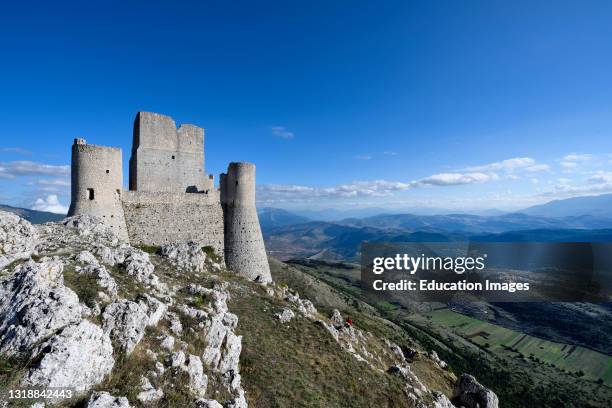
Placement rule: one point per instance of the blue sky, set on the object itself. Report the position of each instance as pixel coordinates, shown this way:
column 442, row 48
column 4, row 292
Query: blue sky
column 459, row 105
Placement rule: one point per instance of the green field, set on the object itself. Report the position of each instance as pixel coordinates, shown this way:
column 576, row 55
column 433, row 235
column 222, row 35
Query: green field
column 499, row 339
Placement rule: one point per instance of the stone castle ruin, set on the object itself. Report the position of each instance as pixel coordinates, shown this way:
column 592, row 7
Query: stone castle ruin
column 171, row 198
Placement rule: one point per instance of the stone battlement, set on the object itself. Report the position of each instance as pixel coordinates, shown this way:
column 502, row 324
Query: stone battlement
column 170, row 197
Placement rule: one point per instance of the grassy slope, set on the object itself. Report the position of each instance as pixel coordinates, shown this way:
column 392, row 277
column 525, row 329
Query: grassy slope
column 519, row 382
column 300, row 365
column 365, row 317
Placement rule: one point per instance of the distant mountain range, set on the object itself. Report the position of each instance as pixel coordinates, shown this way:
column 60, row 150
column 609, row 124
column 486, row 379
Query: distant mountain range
column 35, row 217
column 597, row 206
column 335, row 214
column 573, row 220
column 275, row 217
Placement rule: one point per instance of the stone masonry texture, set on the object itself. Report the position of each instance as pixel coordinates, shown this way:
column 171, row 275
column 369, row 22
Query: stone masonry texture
column 170, row 197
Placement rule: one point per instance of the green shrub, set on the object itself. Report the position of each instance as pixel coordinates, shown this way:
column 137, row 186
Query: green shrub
column 151, row 249
column 210, row 253
column 84, row 285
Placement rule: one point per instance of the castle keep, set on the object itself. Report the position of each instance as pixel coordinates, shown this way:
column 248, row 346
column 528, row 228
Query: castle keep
column 170, row 197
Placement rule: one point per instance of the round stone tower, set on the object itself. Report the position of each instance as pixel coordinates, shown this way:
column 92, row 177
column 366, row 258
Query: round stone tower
column 97, row 180
column 245, row 252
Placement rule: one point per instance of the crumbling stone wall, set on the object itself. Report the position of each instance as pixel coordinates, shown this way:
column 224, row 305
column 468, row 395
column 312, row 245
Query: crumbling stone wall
column 158, row 218
column 170, row 199
column 97, row 184
column 165, row 158
column 245, row 252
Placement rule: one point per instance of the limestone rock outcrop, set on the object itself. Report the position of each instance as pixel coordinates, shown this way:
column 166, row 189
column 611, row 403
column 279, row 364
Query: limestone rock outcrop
column 469, row 393
column 34, row 305
column 149, row 393
column 125, row 322
column 18, row 238
column 185, row 256
column 441, row 401
column 79, row 357
column 105, row 400
column 285, row 315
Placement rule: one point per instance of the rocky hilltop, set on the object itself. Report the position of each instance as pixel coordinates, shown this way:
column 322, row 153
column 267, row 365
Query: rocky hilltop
column 170, row 327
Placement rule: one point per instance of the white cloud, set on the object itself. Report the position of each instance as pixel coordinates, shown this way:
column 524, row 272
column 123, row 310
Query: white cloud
column 50, row 204
column 572, row 160
column 17, row 150
column 537, row 168
column 600, row 182
column 601, row 177
column 362, row 157
column 282, row 132
column 291, row 192
column 509, row 169
column 390, row 153
column 53, row 182
column 568, row 165
column 29, row 168
column 506, row 165
column 268, row 193
column 453, row 179
column 578, row 157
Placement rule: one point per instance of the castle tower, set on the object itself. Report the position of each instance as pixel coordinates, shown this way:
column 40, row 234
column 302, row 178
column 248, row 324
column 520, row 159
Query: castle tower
column 167, row 159
column 244, row 247
column 97, row 180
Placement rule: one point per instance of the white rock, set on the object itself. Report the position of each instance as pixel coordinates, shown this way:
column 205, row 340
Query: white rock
column 336, row 318
column 230, row 320
column 18, row 238
column 185, row 256
column 397, row 351
column 177, row 359
column 168, row 343
column 92, row 228
column 105, row 400
column 155, row 309
column 215, row 336
column 175, row 324
column 112, row 256
column 103, row 278
column 34, row 304
column 306, row 307
column 441, row 401
column 149, row 393
column 413, row 384
column 138, row 265
column 125, row 321
column 239, row 401
column 208, row 403
column 218, row 297
column 285, row 315
column 151, row 354
column 79, row 357
column 230, row 353
column 192, row 312
column 198, row 381
column 471, row 394
column 87, row 258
